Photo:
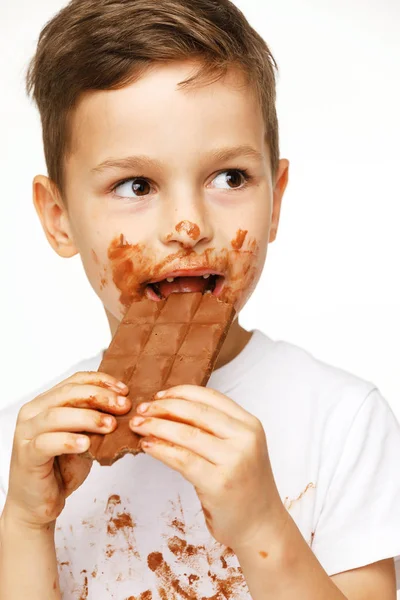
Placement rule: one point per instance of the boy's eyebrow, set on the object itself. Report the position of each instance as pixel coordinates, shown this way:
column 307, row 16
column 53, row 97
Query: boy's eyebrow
column 142, row 161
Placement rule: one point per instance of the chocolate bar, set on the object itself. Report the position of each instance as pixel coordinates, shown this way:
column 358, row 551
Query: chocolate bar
column 156, row 346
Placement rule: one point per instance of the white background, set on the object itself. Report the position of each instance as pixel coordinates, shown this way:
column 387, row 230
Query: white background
column 331, row 281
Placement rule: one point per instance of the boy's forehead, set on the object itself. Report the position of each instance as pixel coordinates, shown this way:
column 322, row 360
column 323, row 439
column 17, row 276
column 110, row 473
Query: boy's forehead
column 153, row 112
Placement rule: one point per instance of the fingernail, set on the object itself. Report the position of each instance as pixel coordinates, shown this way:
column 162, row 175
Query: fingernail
column 82, row 442
column 160, row 394
column 121, row 400
column 147, row 443
column 143, row 407
column 137, row 421
column 122, row 385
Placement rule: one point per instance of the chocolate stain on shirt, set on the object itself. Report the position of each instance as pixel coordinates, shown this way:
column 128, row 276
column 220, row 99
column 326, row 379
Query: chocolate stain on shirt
column 289, row 503
column 85, row 590
column 172, row 588
column 170, row 585
column 109, row 550
column 121, row 522
column 179, row 525
column 147, row 595
column 167, row 578
column 86, row 523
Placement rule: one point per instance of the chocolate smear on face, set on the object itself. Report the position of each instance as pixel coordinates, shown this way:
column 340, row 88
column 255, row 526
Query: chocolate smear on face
column 238, row 241
column 191, row 229
column 132, row 265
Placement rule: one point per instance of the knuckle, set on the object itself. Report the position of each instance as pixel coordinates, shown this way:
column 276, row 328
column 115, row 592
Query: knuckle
column 49, row 415
column 226, row 482
column 256, row 428
column 186, row 460
column 249, row 438
column 88, row 376
column 191, row 433
column 23, row 413
column 36, row 443
column 64, row 388
column 81, row 374
column 204, row 410
column 255, row 423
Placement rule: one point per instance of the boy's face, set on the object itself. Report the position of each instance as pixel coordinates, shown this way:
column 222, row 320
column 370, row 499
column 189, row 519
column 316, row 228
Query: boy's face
column 177, row 201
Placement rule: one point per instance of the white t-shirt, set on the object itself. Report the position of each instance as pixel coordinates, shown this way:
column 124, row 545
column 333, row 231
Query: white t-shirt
column 137, row 529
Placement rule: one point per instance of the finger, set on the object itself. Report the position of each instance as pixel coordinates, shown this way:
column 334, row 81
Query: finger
column 206, row 417
column 96, row 378
column 203, row 444
column 207, row 396
column 194, row 468
column 78, row 396
column 68, row 419
column 46, row 446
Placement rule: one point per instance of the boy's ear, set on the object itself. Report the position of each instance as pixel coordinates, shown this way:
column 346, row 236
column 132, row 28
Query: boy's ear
column 281, row 182
column 53, row 216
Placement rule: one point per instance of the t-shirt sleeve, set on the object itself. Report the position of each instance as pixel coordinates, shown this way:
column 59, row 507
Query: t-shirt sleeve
column 359, row 522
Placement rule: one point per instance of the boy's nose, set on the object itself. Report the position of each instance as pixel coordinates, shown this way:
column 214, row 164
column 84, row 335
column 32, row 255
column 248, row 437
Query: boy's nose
column 187, row 233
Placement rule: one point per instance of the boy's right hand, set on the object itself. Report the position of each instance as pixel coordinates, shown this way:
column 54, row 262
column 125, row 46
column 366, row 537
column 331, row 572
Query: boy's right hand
column 45, row 463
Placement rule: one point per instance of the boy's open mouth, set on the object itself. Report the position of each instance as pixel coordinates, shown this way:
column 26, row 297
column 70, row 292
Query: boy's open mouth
column 204, row 282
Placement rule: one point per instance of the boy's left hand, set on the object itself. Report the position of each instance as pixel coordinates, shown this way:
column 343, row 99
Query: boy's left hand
column 222, row 450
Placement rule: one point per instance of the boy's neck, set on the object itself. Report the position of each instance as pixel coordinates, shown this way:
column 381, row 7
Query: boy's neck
column 235, row 341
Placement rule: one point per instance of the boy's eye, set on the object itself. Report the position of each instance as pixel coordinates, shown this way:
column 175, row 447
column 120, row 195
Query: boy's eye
column 235, row 177
column 140, row 186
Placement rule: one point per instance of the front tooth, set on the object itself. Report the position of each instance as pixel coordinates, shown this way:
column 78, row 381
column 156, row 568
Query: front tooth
column 170, row 279
column 206, row 276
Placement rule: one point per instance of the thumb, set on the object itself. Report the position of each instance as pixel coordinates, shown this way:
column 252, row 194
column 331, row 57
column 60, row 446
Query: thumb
column 74, row 469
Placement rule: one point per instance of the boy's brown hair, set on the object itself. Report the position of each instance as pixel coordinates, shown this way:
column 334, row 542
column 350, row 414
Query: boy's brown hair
column 108, row 44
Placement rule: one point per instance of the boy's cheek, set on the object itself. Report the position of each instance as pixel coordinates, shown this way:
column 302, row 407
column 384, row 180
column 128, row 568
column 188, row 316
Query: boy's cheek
column 246, row 269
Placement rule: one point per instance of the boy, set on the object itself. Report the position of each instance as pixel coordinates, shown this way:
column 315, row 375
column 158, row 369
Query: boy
column 149, row 179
